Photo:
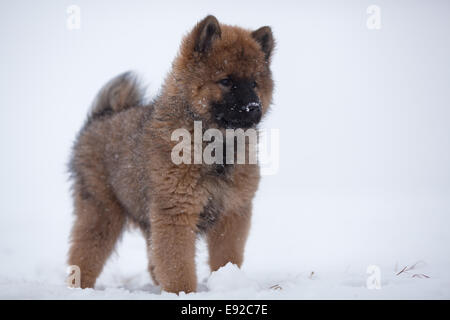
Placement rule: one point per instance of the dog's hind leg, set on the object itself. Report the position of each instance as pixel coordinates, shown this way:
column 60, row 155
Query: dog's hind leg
column 151, row 265
column 98, row 226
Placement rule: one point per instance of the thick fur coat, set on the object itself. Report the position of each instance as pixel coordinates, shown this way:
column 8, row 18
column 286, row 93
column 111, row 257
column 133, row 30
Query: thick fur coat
column 123, row 173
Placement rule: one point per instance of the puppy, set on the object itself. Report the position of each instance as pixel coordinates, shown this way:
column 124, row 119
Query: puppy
column 123, row 172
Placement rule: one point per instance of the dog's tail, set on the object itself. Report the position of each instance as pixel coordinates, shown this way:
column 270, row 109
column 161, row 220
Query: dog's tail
column 120, row 93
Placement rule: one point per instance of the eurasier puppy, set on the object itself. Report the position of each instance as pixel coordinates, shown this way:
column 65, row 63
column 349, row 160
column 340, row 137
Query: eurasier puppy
column 123, row 172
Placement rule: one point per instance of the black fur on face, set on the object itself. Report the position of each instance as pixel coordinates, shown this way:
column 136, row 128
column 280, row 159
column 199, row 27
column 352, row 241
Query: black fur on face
column 240, row 106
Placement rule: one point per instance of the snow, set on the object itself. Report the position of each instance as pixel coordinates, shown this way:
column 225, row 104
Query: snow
column 230, row 278
column 294, row 262
column 363, row 173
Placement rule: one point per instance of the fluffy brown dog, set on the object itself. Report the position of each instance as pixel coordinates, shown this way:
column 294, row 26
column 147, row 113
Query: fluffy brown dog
column 123, row 172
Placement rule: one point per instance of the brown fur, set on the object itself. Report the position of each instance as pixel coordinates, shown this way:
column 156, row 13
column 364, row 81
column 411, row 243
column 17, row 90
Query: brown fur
column 122, row 168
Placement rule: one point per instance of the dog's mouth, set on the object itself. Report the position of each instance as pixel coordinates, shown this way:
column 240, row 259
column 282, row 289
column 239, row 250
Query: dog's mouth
column 233, row 123
column 235, row 117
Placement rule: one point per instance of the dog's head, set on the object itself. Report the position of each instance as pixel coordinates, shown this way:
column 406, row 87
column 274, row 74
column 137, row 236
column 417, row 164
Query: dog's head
column 224, row 72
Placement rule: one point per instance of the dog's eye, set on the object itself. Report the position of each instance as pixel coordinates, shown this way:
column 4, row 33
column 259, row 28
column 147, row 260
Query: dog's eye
column 254, row 84
column 226, row 82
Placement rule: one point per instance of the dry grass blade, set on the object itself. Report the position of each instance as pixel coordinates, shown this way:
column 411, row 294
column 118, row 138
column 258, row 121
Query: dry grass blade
column 403, row 270
column 414, row 266
column 276, row 287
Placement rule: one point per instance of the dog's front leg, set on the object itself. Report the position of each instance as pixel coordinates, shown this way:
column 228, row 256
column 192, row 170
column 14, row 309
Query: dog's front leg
column 173, row 250
column 227, row 238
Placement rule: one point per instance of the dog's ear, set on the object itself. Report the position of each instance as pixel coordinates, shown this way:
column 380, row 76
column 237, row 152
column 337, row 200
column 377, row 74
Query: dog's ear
column 205, row 33
column 265, row 39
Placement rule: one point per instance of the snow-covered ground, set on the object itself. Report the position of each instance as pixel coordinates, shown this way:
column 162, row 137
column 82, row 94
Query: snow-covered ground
column 364, row 175
column 321, row 254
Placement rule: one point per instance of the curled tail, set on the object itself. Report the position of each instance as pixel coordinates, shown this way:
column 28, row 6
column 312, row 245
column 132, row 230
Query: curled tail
column 120, row 93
